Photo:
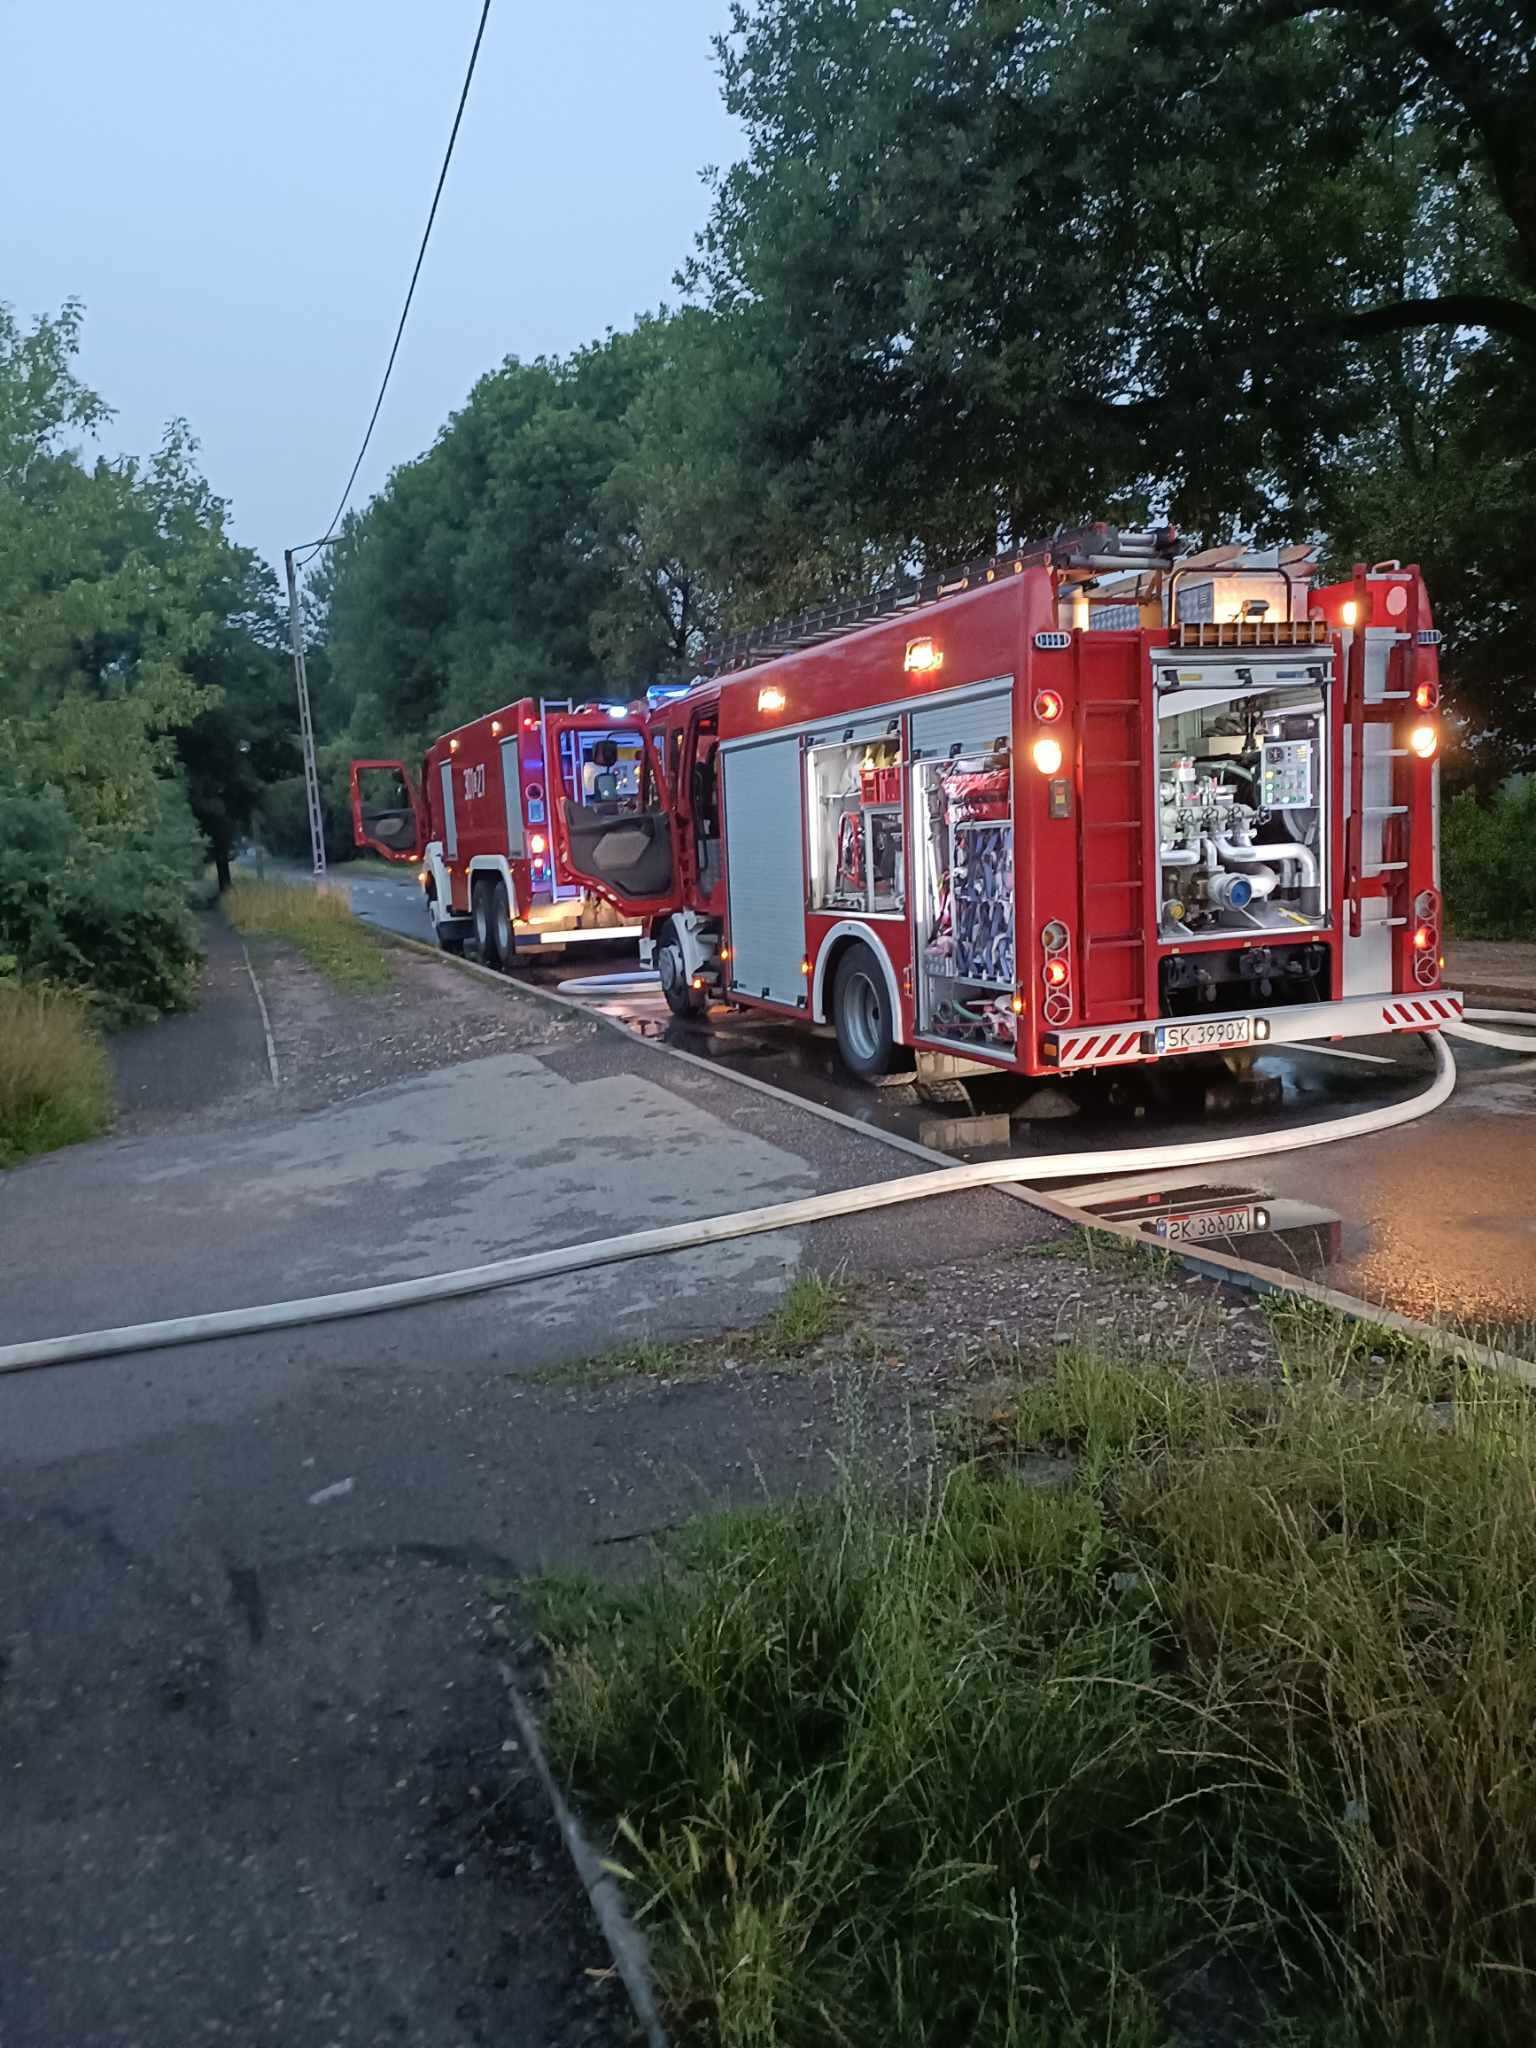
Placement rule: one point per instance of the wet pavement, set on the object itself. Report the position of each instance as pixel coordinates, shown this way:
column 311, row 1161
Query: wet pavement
column 1435, row 1219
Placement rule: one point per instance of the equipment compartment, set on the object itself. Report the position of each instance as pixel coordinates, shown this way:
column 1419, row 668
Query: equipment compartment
column 966, row 920
column 857, row 853
column 1243, row 802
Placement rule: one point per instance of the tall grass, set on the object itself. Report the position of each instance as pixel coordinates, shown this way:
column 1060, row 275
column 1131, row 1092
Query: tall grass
column 320, row 925
column 1248, row 1701
column 55, row 1083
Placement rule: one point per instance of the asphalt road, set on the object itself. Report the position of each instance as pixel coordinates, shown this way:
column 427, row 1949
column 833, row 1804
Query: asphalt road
column 1437, row 1219
column 255, row 1784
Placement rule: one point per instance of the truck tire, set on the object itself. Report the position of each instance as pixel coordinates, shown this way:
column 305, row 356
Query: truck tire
column 861, row 1013
column 484, row 935
column 683, row 999
column 501, row 927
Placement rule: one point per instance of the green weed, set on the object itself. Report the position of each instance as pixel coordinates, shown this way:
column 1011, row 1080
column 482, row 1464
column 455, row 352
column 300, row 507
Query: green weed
column 813, row 1309
column 55, row 1081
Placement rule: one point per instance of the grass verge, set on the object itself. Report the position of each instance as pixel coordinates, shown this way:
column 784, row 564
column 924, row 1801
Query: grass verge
column 55, row 1082
column 1230, row 1735
column 320, row 925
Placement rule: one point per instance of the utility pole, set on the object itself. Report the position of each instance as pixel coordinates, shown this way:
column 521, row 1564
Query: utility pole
column 306, row 726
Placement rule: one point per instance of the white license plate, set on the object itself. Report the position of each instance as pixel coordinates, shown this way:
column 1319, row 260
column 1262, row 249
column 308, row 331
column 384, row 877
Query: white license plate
column 1238, row 1221
column 1216, row 1033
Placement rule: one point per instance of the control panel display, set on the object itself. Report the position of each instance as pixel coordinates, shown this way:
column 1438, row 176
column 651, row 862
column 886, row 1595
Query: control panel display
column 1286, row 775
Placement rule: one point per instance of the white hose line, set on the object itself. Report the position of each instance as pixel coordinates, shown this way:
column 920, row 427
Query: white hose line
column 610, row 984
column 1501, row 1041
column 676, row 1237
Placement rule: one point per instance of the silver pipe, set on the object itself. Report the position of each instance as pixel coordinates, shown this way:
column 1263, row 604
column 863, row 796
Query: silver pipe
column 1256, row 854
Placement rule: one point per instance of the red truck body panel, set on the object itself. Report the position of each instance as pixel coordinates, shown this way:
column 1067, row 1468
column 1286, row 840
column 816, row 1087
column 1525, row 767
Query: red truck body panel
column 1009, row 814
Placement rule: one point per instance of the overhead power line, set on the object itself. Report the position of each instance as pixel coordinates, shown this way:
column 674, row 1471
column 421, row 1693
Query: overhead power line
column 426, row 236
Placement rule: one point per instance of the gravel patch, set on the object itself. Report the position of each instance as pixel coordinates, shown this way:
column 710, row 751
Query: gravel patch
column 334, row 1043
column 911, row 1354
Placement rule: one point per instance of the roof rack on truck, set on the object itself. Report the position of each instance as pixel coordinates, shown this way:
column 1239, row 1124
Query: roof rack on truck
column 1097, row 546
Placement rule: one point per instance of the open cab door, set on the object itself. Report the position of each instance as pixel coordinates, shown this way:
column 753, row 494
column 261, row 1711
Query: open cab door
column 387, row 815
column 613, row 823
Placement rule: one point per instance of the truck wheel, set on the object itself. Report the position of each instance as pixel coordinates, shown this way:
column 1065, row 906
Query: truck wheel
column 683, row 1000
column 861, row 1012
column 485, row 937
column 501, row 926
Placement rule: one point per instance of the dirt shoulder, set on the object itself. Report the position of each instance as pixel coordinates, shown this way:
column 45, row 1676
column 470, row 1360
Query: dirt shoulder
column 210, row 1066
column 1500, row 970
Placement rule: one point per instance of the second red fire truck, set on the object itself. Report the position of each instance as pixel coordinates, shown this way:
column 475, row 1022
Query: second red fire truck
column 479, row 820
column 1088, row 804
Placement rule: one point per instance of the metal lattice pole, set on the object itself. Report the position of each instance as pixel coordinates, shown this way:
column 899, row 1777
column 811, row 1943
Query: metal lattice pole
column 306, row 726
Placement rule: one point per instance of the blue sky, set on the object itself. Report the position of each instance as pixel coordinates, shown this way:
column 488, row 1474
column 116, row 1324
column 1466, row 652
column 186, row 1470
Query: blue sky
column 236, row 190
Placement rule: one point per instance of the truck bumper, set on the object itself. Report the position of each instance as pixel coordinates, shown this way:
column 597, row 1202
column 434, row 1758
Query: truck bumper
column 572, row 936
column 1354, row 1017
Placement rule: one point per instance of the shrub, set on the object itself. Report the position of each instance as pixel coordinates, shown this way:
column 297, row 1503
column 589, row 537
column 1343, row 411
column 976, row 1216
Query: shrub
column 282, row 820
column 55, row 1087
column 1488, row 857
column 112, row 920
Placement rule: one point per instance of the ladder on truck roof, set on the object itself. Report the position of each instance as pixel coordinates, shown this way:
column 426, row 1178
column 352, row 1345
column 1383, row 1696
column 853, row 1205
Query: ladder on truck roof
column 1099, row 546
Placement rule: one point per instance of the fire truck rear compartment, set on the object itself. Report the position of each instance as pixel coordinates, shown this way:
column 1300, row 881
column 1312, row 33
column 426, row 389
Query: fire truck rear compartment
column 965, row 910
column 1244, row 762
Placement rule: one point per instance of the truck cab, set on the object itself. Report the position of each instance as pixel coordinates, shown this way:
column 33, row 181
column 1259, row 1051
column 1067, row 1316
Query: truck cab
column 480, row 822
column 656, row 853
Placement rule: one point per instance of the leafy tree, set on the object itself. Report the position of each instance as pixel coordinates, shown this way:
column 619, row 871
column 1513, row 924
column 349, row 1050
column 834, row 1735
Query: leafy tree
column 471, row 579
column 130, row 627
column 1023, row 263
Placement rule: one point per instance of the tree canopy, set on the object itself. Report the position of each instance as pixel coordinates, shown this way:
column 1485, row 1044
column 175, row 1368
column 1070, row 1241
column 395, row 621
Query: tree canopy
column 136, row 641
column 1260, row 267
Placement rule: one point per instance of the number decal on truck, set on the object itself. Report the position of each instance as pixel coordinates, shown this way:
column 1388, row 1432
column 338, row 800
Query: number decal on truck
column 474, row 782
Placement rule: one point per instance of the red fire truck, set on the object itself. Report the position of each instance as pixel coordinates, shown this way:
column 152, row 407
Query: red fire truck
column 479, row 823
column 1092, row 803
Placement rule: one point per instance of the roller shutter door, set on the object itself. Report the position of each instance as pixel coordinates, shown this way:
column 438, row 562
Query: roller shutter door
column 970, row 727
column 764, row 869
column 450, row 822
column 860, row 732
column 512, row 791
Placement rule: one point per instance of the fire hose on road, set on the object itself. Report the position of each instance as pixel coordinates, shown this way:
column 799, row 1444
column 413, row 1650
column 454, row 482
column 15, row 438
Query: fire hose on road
column 708, row 1230
column 1501, row 1041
